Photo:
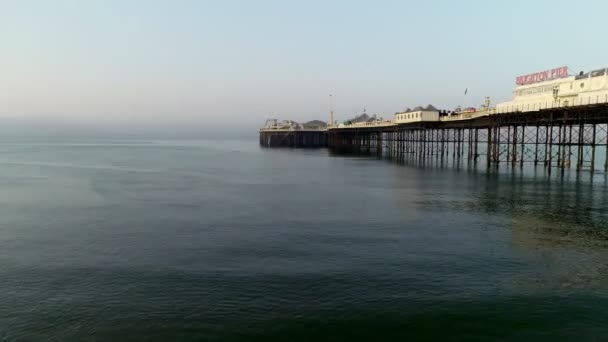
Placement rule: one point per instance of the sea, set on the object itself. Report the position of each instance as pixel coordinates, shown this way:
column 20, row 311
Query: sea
column 223, row 240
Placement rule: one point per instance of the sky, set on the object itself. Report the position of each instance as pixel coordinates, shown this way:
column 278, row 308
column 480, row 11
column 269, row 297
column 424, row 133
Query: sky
column 224, row 64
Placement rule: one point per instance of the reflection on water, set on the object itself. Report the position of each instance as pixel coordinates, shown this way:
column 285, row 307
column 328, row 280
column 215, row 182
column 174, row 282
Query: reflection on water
column 558, row 217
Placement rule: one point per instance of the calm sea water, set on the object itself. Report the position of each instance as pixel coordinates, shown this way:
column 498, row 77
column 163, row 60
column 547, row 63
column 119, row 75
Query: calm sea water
column 223, row 240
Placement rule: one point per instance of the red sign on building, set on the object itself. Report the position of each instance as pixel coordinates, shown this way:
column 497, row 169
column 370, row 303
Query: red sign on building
column 542, row 76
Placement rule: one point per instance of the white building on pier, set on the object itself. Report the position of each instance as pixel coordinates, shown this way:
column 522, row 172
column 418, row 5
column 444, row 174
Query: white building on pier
column 418, row 114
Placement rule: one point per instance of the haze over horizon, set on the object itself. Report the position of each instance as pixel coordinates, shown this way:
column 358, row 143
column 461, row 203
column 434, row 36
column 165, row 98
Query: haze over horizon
column 202, row 65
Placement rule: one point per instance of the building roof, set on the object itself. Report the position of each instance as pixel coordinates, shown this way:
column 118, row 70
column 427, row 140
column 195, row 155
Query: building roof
column 428, row 108
column 360, row 118
column 314, row 123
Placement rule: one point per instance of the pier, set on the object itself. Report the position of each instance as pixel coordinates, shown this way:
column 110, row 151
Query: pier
column 555, row 119
column 561, row 137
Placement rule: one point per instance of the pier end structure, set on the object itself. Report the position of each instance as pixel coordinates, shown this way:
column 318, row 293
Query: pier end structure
column 289, row 133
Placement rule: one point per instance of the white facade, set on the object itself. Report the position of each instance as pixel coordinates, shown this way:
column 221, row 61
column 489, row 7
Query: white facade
column 417, row 114
column 589, row 88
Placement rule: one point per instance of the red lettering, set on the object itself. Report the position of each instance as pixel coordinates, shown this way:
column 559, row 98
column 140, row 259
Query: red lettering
column 542, row 76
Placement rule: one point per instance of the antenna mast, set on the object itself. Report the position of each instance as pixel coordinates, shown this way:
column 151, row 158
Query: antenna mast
column 331, row 111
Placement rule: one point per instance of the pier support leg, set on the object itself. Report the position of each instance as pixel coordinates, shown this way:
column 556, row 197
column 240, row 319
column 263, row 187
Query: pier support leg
column 489, row 147
column 593, row 149
column 379, row 144
column 536, row 147
column 523, row 146
column 514, row 148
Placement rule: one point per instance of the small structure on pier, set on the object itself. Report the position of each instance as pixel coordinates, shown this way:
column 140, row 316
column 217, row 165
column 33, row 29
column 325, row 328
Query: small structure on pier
column 363, row 120
column 315, row 124
column 285, row 125
column 418, row 114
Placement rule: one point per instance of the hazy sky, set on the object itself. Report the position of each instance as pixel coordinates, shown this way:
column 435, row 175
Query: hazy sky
column 237, row 62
